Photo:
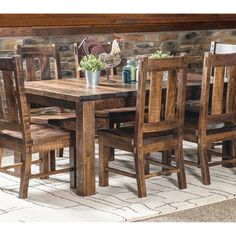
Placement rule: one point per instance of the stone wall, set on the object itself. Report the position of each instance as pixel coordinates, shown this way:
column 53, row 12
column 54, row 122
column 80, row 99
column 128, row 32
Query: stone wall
column 195, row 43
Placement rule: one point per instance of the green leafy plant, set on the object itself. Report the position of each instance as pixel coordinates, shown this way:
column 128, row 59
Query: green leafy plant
column 91, row 63
column 159, row 55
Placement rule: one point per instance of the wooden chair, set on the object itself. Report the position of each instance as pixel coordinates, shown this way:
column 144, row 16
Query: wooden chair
column 39, row 59
column 155, row 130
column 193, row 106
column 216, row 119
column 215, row 48
column 19, row 135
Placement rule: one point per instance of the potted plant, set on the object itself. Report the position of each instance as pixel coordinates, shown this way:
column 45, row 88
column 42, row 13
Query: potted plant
column 159, row 55
column 92, row 67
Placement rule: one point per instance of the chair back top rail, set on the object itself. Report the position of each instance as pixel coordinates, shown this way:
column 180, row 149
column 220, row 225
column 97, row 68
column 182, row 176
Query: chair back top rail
column 218, row 93
column 17, row 116
column 222, row 48
column 165, row 106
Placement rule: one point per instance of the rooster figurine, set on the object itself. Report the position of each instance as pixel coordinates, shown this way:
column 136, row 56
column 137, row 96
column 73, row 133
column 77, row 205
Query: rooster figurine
column 112, row 59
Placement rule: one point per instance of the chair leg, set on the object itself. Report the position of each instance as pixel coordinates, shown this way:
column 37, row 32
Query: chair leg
column 60, row 152
column 147, row 164
column 229, row 148
column 110, row 125
column 140, row 176
column 166, row 160
column 17, row 159
column 112, row 150
column 233, row 153
column 25, row 174
column 1, row 156
column 72, row 158
column 104, row 152
column 180, row 164
column 44, row 165
column 52, row 160
column 203, row 159
column 209, row 156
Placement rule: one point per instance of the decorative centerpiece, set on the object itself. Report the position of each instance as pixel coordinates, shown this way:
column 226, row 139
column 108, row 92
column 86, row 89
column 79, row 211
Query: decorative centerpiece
column 92, row 67
column 113, row 58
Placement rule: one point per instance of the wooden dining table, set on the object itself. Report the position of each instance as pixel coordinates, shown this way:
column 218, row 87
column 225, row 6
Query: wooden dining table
column 76, row 95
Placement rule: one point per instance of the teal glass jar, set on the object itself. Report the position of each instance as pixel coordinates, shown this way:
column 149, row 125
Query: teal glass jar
column 132, row 65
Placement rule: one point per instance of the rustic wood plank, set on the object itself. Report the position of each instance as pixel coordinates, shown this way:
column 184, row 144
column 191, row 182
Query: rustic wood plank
column 171, row 96
column 155, row 103
column 222, row 109
column 85, row 148
column 139, row 139
column 218, row 89
column 73, row 24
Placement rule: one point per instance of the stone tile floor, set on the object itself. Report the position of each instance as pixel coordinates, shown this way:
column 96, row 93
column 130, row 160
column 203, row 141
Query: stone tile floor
column 52, row 200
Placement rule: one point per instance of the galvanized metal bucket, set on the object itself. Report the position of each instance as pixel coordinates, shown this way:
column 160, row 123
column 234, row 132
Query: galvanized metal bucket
column 92, row 78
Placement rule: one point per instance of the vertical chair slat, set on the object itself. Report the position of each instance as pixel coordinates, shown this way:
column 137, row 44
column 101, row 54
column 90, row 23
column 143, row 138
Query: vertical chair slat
column 154, row 106
column 30, row 69
column 45, row 68
column 231, row 92
column 2, row 107
column 58, row 74
column 171, row 91
column 12, row 114
column 218, row 91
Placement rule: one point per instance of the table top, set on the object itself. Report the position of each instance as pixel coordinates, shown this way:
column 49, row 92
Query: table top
column 76, row 90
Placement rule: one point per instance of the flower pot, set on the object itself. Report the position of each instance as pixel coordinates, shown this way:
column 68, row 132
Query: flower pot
column 92, row 78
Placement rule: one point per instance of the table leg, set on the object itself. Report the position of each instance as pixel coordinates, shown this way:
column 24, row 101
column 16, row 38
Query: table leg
column 85, row 148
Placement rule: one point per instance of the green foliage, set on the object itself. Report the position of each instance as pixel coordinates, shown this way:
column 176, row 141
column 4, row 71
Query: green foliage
column 91, row 63
column 159, row 55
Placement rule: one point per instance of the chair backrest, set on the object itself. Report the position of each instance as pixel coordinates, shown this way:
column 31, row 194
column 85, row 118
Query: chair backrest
column 218, row 95
column 222, row 48
column 88, row 46
column 16, row 117
column 165, row 106
column 38, row 58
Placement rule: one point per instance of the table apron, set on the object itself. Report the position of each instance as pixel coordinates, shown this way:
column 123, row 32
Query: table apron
column 48, row 101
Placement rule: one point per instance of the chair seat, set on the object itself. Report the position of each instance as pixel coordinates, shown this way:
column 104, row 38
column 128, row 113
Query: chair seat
column 191, row 125
column 42, row 135
column 45, row 117
column 115, row 112
column 126, row 136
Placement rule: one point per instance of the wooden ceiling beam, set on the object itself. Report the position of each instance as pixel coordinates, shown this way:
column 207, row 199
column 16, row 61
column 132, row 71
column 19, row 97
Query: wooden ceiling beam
column 72, row 24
